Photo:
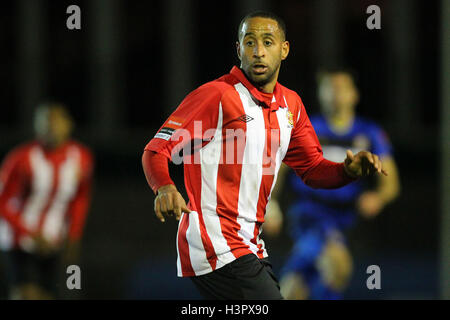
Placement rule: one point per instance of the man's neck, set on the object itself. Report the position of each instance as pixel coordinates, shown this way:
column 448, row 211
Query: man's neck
column 266, row 88
column 50, row 146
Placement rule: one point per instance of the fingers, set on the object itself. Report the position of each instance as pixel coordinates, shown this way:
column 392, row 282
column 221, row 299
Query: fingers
column 158, row 209
column 370, row 158
column 163, row 204
column 177, row 211
column 375, row 164
column 170, row 204
column 185, row 208
column 372, row 167
column 181, row 207
column 379, row 166
column 350, row 156
column 178, row 208
column 349, row 159
column 363, row 164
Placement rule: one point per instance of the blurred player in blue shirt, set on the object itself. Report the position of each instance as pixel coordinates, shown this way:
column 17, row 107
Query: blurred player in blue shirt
column 320, row 265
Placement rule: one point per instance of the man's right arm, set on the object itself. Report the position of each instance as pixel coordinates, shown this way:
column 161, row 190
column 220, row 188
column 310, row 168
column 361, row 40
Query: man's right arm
column 156, row 170
column 13, row 179
column 197, row 113
column 168, row 201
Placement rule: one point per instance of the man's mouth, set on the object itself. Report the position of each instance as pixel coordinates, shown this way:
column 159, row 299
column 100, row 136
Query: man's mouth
column 259, row 68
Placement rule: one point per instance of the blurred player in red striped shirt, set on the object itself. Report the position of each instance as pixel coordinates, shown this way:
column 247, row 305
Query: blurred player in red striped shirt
column 234, row 133
column 44, row 198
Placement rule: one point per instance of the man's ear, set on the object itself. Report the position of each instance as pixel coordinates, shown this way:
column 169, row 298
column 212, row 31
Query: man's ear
column 238, row 49
column 285, row 50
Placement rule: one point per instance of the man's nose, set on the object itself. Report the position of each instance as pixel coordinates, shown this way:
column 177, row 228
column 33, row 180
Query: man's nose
column 259, row 50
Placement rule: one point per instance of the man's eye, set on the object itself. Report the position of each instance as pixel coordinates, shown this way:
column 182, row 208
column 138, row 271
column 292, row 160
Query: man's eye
column 268, row 43
column 249, row 43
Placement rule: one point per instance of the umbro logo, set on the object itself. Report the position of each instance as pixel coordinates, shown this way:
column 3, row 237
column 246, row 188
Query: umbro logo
column 245, row 118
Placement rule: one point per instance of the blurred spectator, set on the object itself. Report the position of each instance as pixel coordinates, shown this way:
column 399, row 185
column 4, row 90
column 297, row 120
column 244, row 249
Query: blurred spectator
column 320, row 264
column 44, row 198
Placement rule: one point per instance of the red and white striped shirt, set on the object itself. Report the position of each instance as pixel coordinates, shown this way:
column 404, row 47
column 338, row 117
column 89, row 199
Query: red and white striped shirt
column 241, row 136
column 46, row 191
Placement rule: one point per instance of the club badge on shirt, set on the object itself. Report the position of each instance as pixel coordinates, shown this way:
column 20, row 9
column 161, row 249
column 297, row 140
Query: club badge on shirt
column 290, row 118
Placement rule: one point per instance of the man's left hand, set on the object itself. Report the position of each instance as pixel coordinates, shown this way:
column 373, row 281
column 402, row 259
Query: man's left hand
column 362, row 164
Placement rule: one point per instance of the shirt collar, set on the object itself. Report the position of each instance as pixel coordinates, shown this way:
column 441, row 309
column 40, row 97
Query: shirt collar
column 258, row 95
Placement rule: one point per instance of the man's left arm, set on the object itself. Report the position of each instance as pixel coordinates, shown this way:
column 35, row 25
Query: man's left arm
column 371, row 202
column 305, row 156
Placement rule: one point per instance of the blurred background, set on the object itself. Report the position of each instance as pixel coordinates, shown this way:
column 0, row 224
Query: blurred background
column 132, row 63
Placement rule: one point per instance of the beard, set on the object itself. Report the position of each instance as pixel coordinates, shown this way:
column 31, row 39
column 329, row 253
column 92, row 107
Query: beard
column 260, row 80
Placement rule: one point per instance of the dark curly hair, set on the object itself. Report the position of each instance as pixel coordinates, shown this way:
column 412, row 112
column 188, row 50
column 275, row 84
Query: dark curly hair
column 263, row 14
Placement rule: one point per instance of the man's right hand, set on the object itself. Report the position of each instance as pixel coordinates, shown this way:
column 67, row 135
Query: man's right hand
column 169, row 202
column 43, row 246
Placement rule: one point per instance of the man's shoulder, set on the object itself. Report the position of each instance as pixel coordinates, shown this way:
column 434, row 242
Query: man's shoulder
column 217, row 90
column 289, row 93
column 87, row 157
column 24, row 148
column 81, row 147
column 220, row 85
column 19, row 153
column 292, row 100
column 84, row 155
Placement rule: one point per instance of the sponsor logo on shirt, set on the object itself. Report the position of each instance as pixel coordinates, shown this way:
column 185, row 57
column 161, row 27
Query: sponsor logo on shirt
column 165, row 133
column 169, row 127
column 174, row 123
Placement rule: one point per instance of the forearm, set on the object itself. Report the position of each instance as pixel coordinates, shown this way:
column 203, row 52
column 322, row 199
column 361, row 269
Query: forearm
column 388, row 187
column 156, row 170
column 327, row 175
